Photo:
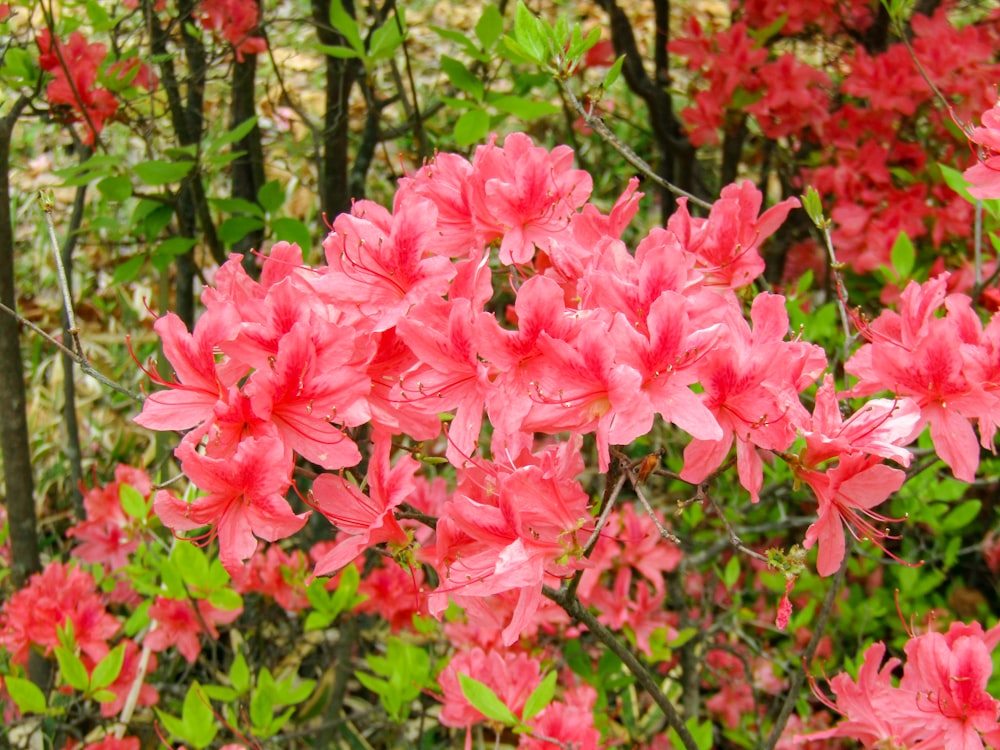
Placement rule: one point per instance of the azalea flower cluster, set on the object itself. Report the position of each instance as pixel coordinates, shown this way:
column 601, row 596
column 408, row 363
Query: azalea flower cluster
column 940, row 702
column 395, row 331
column 404, row 332
column 859, row 124
column 74, row 93
column 236, row 21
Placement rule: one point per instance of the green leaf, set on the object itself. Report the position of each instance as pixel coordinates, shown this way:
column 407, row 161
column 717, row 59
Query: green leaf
column 343, row 22
column 540, row 697
column 226, row 599
column 108, row 669
column 468, row 46
column 903, row 256
column 132, row 502
column 611, row 77
column 489, row 27
column 813, row 207
column 190, row 562
column 484, row 700
column 385, row 40
column 100, row 19
column 731, row 573
column 115, row 189
column 19, row 68
column 26, row 694
column 82, row 174
column 271, row 196
column 462, row 78
column 292, row 230
column 174, row 246
column 343, row 53
column 529, row 32
column 235, row 135
column 159, row 172
column 961, row 515
column 471, row 127
column 72, row 669
column 138, row 619
column 526, row 109
column 237, row 206
column 262, row 701
column 235, row 228
column 199, row 720
column 175, row 726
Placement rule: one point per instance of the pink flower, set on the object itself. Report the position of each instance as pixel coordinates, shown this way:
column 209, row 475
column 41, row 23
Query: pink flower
column 941, row 702
column 524, row 194
column 366, row 520
column 984, row 175
column 178, row 624
column 235, row 21
column 73, row 93
column 58, row 596
column 246, row 497
column 846, row 494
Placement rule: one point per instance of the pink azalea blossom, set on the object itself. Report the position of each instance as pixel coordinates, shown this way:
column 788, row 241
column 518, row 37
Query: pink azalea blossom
column 245, row 497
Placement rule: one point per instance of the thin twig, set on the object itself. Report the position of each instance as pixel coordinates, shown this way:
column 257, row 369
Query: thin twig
column 588, row 548
column 838, row 280
column 135, row 689
column 74, row 332
column 643, row 675
column 598, row 126
column 800, row 676
column 79, row 359
column 734, row 538
column 664, row 532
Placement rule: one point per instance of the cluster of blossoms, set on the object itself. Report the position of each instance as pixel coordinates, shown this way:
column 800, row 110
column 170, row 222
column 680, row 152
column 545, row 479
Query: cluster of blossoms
column 940, row 701
column 74, row 93
column 859, row 129
column 396, row 331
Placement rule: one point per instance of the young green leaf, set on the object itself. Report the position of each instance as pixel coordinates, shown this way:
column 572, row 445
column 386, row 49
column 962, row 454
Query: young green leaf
column 540, row 697
column 343, row 22
column 484, row 700
column 903, row 256
column 72, row 669
column 108, row 668
column 26, row 695
column 611, row 77
column 471, row 127
column 731, row 573
column 132, row 502
column 489, row 27
column 159, row 172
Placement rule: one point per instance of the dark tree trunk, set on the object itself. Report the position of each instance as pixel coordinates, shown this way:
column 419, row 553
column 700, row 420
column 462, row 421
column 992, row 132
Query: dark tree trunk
column 19, row 490
column 675, row 154
column 248, row 169
column 334, row 190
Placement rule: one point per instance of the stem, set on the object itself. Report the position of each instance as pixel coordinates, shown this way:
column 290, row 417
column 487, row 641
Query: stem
column 598, row 125
column 640, row 671
column 82, row 362
column 807, row 656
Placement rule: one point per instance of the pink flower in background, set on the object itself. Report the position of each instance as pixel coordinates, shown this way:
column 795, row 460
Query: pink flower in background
column 235, row 21
column 984, row 175
column 512, row 676
column 179, row 625
column 59, row 595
